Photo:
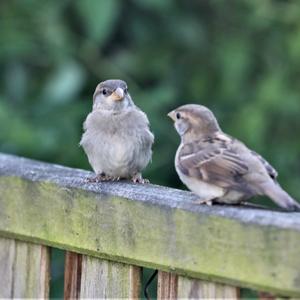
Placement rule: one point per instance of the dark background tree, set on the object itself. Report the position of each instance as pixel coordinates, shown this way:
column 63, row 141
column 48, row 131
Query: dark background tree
column 241, row 58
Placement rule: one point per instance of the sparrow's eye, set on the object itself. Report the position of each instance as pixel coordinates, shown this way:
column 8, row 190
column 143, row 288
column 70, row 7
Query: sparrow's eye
column 178, row 116
column 126, row 91
column 104, row 92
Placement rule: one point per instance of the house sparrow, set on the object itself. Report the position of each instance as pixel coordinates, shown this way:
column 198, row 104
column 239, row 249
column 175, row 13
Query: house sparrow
column 219, row 168
column 116, row 139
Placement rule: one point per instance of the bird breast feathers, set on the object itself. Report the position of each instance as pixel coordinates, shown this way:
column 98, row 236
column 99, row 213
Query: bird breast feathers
column 111, row 122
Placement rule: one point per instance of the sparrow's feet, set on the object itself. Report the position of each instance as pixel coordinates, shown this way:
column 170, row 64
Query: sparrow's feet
column 92, row 179
column 137, row 178
column 208, row 202
column 102, row 177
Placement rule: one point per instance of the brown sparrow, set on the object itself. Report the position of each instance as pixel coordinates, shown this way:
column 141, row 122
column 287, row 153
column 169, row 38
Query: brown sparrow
column 116, row 139
column 219, row 168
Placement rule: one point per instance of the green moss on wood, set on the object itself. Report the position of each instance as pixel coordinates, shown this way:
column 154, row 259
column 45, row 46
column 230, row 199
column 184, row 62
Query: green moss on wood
column 191, row 243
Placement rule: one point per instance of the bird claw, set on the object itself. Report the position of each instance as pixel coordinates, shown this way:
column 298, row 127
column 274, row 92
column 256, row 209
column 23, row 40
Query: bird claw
column 101, row 178
column 92, row 179
column 139, row 179
column 208, row 202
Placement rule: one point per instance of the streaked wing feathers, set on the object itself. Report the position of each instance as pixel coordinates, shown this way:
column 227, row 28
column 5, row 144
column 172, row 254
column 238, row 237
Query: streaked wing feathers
column 213, row 161
column 271, row 171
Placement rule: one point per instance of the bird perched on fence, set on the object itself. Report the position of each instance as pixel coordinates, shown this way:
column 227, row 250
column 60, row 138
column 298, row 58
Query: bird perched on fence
column 219, row 168
column 116, row 139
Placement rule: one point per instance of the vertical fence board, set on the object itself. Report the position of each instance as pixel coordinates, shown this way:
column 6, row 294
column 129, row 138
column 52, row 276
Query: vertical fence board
column 72, row 275
column 167, row 285
column 172, row 286
column 97, row 278
column 105, row 279
column 24, row 270
column 198, row 289
column 268, row 296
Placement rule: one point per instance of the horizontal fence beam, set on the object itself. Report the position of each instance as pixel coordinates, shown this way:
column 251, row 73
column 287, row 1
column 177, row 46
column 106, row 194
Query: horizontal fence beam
column 149, row 226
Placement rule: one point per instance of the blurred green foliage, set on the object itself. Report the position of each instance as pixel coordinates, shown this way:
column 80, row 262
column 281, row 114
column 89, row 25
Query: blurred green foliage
column 241, row 58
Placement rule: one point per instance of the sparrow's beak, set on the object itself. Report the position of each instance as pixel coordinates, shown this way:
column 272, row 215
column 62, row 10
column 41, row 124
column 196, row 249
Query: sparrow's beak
column 118, row 94
column 172, row 115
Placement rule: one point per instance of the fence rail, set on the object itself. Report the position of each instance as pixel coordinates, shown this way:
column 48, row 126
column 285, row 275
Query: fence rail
column 119, row 227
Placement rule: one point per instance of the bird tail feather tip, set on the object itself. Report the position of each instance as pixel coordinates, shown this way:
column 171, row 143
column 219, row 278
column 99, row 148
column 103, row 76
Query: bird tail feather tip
column 281, row 197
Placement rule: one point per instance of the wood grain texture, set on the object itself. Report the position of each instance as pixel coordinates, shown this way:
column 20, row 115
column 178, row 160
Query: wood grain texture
column 72, row 282
column 268, row 296
column 89, row 277
column 172, row 286
column 150, row 226
column 189, row 288
column 24, row 270
column 109, row 280
column 167, row 285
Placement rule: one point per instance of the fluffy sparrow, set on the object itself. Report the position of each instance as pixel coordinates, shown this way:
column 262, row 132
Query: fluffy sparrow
column 116, row 139
column 219, row 168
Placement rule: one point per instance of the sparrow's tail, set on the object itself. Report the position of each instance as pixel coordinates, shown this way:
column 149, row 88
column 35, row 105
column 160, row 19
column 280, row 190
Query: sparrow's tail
column 281, row 197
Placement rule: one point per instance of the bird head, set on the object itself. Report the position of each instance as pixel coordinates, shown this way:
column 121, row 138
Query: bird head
column 112, row 95
column 194, row 121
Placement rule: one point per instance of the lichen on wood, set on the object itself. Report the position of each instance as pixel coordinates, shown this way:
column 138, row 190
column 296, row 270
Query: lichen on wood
column 149, row 226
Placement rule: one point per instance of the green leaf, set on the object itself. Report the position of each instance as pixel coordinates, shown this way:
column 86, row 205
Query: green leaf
column 99, row 17
column 155, row 4
column 64, row 83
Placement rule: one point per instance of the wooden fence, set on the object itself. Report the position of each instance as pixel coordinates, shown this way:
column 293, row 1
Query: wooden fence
column 112, row 230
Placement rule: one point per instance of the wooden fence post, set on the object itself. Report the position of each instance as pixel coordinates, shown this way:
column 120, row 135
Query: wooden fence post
column 166, row 285
column 91, row 277
column 24, row 270
column 146, row 225
column 72, row 280
column 198, row 289
column 171, row 286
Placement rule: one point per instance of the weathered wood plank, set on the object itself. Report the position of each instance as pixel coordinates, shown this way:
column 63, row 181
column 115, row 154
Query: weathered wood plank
column 189, row 288
column 24, row 270
column 150, row 226
column 109, row 280
column 89, row 277
column 268, row 296
column 167, row 285
column 172, row 286
column 72, row 282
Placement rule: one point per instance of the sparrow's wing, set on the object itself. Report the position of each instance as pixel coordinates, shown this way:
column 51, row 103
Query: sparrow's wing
column 215, row 161
column 271, row 171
